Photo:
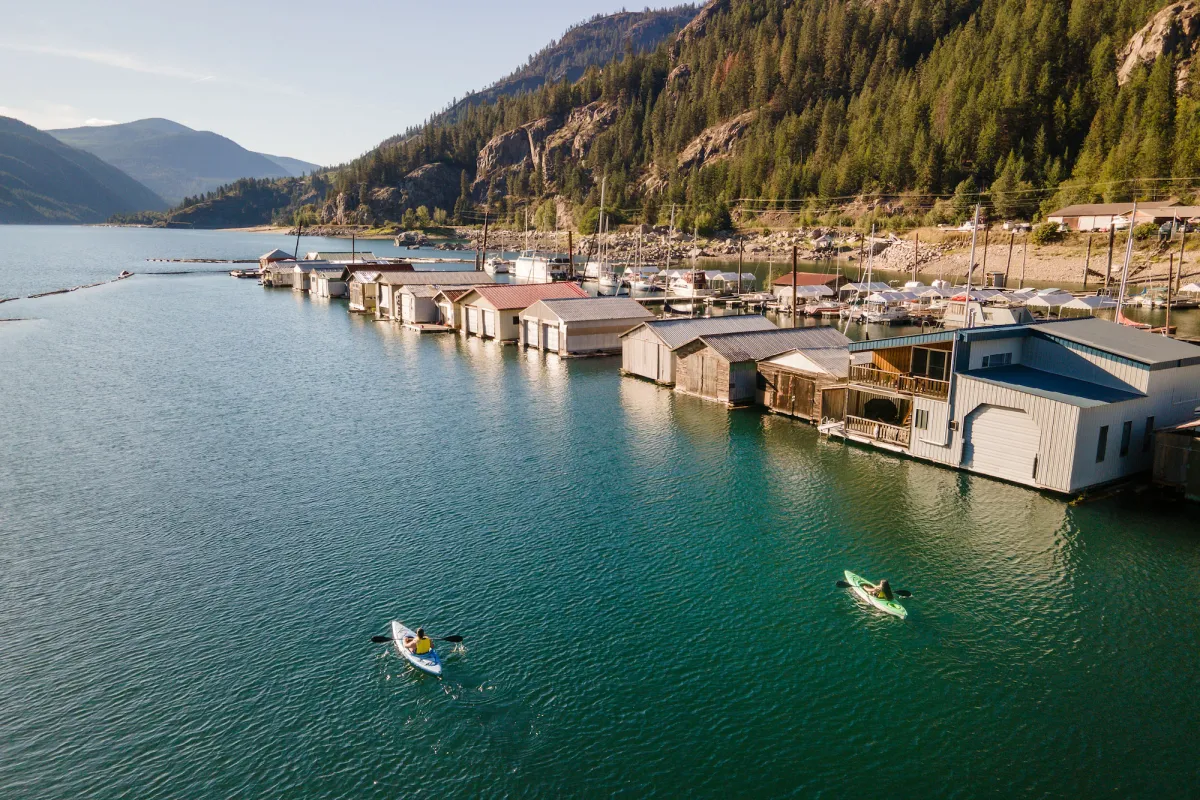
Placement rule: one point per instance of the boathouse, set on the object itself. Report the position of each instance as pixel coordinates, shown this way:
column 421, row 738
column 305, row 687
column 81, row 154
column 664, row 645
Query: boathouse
column 808, row 286
column 808, row 382
column 279, row 274
column 724, row 366
column 1061, row 405
column 417, row 305
column 449, row 307
column 338, row 257
column 648, row 350
column 1177, row 458
column 388, row 304
column 273, row 257
column 328, row 281
column 494, row 312
column 580, row 326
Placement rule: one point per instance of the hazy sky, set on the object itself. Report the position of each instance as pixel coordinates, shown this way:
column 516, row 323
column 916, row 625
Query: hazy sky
column 321, row 81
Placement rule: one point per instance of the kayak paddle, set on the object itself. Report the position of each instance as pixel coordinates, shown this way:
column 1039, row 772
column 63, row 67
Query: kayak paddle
column 897, row 592
column 451, row 639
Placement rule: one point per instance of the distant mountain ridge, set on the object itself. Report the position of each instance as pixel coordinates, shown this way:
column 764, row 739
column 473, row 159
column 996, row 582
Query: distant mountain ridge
column 594, row 43
column 176, row 161
column 43, row 180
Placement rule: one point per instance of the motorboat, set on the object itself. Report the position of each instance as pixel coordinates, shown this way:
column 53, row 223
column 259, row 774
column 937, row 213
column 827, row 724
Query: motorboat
column 691, row 284
column 495, row 266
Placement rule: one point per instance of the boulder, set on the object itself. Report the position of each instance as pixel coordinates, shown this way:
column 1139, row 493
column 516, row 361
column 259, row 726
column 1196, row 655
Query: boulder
column 1173, row 30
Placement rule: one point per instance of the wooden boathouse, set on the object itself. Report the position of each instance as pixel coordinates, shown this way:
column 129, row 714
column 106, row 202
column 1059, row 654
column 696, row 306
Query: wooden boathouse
column 494, row 312
column 648, row 350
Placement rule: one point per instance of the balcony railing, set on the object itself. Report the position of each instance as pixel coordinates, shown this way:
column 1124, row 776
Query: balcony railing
column 879, row 431
column 900, row 382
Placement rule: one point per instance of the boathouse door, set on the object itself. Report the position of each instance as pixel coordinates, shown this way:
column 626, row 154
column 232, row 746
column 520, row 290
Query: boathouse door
column 473, row 320
column 489, row 323
column 551, row 338
column 1002, row 442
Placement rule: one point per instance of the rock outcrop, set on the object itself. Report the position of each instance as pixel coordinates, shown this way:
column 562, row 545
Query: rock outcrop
column 716, row 142
column 699, row 24
column 1174, row 30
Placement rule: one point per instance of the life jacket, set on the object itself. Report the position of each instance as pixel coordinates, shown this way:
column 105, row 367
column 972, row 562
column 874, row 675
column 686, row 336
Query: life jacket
column 424, row 646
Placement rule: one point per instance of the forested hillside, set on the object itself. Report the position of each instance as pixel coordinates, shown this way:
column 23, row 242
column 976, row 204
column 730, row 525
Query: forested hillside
column 1033, row 101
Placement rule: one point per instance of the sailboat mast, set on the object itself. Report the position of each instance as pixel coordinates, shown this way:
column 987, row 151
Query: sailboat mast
column 1128, row 261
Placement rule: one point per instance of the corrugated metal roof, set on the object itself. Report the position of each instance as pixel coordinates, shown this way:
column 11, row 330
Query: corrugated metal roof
column 1106, row 209
column 581, row 309
column 1060, row 388
column 834, row 360
column 453, row 294
column 275, row 255
column 1122, row 340
column 421, row 290
column 330, row 272
column 333, row 255
column 805, row 279
column 675, row 333
column 507, row 297
column 435, row 278
column 757, row 345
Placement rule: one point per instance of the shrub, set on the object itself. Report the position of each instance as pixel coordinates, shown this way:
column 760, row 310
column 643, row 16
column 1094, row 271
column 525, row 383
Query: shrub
column 1145, row 231
column 1046, row 233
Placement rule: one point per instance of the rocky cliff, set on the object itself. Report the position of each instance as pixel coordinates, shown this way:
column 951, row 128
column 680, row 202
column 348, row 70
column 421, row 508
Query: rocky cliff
column 1175, row 30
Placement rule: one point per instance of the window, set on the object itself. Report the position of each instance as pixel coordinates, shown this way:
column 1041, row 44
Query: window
column 930, row 363
column 997, row 360
column 1126, row 435
column 921, row 420
column 1102, row 445
column 1148, row 435
column 516, row 320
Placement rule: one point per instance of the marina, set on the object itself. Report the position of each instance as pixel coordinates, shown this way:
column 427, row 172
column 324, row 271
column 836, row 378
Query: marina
column 156, row 460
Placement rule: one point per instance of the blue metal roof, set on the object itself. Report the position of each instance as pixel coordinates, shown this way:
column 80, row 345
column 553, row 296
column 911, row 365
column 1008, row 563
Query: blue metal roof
column 1059, row 388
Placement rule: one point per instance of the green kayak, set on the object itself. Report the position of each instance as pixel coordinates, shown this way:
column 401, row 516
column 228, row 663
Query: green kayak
column 887, row 606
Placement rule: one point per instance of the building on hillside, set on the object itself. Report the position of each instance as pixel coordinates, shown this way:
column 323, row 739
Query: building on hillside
column 388, row 305
column 648, row 350
column 1101, row 216
column 494, row 312
column 724, row 366
column 808, row 382
column 1181, row 215
column 1177, row 458
column 580, row 326
column 330, row 281
column 1060, row 405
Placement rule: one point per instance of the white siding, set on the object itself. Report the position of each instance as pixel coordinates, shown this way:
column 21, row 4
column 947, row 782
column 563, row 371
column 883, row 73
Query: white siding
column 933, row 442
column 1003, row 442
column 643, row 354
column 989, row 347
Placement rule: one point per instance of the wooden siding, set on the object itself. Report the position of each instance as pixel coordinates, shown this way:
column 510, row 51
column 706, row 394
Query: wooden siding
column 893, row 359
column 644, row 354
column 801, row 394
column 703, row 374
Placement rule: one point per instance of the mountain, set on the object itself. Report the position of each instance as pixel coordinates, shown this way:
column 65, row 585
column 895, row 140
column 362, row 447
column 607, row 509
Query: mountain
column 174, row 160
column 294, row 166
column 44, row 180
column 594, row 43
column 811, row 104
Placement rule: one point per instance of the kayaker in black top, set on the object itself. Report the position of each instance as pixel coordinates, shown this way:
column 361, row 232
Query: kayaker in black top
column 882, row 589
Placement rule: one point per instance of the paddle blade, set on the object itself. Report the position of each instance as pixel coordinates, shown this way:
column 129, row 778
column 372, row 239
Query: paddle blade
column 454, row 639
column 381, row 639
column 843, row 585
column 903, row 593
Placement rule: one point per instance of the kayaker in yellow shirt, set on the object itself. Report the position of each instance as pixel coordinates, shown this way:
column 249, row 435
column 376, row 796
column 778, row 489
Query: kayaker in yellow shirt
column 883, row 589
column 419, row 644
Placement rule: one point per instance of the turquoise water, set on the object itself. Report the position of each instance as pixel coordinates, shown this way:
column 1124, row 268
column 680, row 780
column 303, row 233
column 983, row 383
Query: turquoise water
column 212, row 495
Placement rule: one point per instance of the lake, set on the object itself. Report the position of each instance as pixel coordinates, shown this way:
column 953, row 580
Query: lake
column 212, row 495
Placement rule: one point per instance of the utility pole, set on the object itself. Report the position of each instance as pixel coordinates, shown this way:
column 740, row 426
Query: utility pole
column 1182, row 244
column 971, row 270
column 1128, row 261
column 1024, row 252
column 485, row 233
column 571, row 251
column 1112, row 236
column 300, row 224
column 1170, row 280
column 795, row 313
column 1012, row 238
column 983, row 267
column 916, row 254
column 1087, row 260
column 741, row 253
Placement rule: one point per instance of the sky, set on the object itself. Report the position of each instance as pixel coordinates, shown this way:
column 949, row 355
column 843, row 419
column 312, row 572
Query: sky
column 319, row 81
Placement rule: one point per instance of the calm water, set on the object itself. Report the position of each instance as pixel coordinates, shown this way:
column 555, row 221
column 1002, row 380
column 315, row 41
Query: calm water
column 212, row 495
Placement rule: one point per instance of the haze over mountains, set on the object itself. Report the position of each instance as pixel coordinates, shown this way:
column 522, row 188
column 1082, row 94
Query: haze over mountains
column 176, row 161
column 44, row 180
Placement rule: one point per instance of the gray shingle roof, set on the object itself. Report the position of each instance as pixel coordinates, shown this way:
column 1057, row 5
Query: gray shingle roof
column 675, row 333
column 1121, row 340
column 595, row 308
column 757, row 345
column 1106, row 209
